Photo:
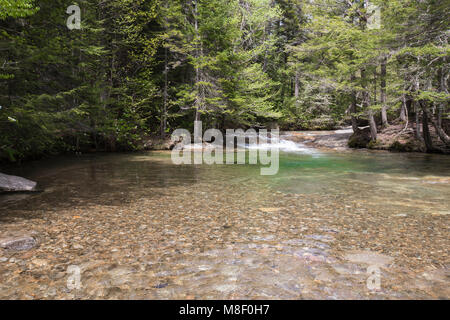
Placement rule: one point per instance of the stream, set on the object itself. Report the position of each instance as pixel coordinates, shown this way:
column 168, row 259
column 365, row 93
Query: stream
column 347, row 224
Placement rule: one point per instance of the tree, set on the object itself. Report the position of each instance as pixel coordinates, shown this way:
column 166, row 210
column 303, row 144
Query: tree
column 17, row 8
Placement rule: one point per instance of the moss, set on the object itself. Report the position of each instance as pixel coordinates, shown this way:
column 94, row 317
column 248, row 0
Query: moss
column 403, row 147
column 373, row 144
column 356, row 142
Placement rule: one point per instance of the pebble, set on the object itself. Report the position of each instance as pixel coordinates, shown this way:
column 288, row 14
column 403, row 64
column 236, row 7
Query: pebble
column 40, row 262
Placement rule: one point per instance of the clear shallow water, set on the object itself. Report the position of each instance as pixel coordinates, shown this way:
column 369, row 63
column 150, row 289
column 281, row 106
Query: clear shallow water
column 140, row 227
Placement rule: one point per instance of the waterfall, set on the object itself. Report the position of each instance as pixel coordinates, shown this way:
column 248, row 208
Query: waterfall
column 283, row 145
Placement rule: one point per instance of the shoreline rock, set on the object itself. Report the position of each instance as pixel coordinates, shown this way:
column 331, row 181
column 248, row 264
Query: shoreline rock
column 336, row 139
column 16, row 184
column 158, row 143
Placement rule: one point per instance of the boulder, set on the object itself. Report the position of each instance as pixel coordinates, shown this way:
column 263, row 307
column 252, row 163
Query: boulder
column 13, row 183
column 360, row 139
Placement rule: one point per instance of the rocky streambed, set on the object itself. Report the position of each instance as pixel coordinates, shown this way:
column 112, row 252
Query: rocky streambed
column 138, row 227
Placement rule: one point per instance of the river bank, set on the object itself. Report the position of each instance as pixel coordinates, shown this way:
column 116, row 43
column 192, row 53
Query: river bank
column 398, row 137
column 395, row 137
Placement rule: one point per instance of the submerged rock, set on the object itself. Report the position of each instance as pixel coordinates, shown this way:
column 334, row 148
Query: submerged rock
column 18, row 244
column 369, row 257
column 13, row 183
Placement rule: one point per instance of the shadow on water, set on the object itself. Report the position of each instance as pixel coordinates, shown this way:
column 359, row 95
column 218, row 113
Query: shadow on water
column 106, row 179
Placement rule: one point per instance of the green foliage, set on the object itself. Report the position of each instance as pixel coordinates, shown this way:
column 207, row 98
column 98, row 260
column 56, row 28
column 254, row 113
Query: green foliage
column 141, row 67
column 16, row 8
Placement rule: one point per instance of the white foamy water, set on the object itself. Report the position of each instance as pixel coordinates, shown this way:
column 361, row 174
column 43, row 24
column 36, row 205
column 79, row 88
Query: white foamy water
column 283, row 145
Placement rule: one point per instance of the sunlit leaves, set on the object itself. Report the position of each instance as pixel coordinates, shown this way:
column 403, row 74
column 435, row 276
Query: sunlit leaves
column 17, row 8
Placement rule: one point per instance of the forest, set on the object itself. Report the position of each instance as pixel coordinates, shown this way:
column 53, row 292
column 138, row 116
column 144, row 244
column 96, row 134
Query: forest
column 139, row 68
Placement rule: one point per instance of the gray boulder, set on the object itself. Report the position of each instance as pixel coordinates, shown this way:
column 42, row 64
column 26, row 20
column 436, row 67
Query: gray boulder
column 13, row 183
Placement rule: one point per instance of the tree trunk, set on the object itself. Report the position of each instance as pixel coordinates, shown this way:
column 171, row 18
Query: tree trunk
column 404, row 110
column 353, row 107
column 296, row 90
column 366, row 103
column 197, row 69
column 417, row 112
column 426, row 130
column 441, row 133
column 164, row 111
column 384, row 119
column 438, row 123
column 373, row 126
column 375, row 88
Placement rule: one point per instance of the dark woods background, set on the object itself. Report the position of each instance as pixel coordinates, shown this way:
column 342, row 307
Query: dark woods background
column 141, row 68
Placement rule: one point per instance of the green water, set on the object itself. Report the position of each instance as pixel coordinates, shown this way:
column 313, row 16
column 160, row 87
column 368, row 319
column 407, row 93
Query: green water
column 370, row 177
column 101, row 168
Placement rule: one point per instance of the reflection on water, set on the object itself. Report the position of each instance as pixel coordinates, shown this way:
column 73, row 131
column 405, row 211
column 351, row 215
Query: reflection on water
column 141, row 227
column 95, row 179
